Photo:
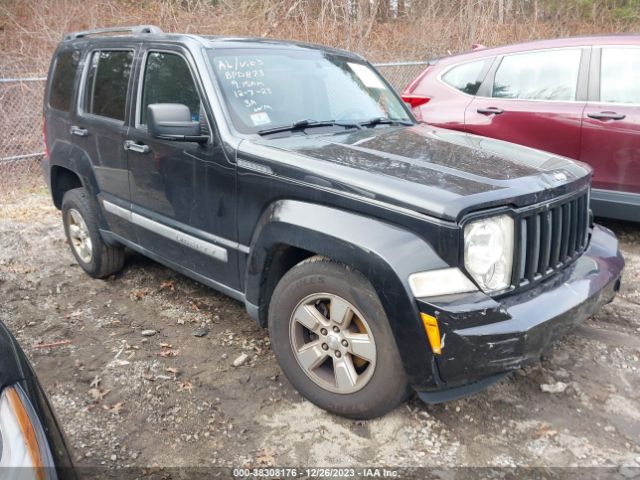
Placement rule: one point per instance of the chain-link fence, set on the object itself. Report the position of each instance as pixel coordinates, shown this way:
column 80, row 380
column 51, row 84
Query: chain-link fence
column 400, row 74
column 21, row 147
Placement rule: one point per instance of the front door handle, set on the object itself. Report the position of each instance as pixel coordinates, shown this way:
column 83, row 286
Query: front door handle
column 490, row 111
column 136, row 147
column 81, row 132
column 606, row 116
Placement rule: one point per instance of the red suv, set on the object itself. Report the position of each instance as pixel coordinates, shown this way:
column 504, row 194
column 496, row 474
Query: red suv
column 577, row 97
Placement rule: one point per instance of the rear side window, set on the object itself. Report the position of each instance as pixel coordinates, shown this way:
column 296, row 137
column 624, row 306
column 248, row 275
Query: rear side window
column 62, row 80
column 167, row 79
column 545, row 75
column 620, row 75
column 465, row 77
column 107, row 83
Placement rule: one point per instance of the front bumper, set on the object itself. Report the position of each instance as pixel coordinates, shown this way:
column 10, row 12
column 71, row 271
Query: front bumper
column 484, row 338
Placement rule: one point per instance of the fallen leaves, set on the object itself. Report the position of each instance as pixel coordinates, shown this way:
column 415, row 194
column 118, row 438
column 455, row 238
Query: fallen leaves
column 185, row 386
column 167, row 351
column 168, row 285
column 115, row 409
column 266, row 457
column 545, row 431
column 97, row 394
column 139, row 294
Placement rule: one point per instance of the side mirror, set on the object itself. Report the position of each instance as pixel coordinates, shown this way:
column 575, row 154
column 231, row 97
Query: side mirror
column 172, row 121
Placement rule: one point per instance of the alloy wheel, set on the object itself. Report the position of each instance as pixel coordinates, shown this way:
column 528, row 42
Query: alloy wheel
column 79, row 236
column 333, row 343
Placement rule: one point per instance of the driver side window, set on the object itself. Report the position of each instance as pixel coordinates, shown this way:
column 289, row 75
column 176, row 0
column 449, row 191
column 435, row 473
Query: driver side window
column 167, row 79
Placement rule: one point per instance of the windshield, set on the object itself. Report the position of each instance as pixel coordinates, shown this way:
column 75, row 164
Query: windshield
column 273, row 88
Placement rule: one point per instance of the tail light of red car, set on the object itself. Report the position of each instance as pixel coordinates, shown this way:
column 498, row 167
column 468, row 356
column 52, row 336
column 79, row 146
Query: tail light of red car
column 413, row 98
column 415, row 101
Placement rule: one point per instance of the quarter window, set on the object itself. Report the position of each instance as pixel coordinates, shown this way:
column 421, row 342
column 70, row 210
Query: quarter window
column 465, row 77
column 546, row 75
column 107, row 83
column 167, row 79
column 62, row 80
column 620, row 75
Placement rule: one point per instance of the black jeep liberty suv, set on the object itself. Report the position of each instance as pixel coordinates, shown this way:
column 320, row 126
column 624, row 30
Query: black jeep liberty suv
column 384, row 256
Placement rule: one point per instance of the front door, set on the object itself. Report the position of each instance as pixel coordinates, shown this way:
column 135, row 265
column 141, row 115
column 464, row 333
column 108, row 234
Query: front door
column 611, row 124
column 182, row 193
column 533, row 101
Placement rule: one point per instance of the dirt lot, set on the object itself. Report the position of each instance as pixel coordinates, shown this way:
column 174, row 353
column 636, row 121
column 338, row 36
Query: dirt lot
column 175, row 399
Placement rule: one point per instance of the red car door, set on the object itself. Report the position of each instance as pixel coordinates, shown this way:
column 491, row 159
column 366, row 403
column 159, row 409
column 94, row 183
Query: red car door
column 534, row 99
column 611, row 124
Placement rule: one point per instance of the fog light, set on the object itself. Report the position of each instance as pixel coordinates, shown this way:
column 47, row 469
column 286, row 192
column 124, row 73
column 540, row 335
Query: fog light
column 433, row 332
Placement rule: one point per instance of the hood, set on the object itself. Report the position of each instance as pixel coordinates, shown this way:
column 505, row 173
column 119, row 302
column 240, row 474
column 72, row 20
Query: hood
column 438, row 172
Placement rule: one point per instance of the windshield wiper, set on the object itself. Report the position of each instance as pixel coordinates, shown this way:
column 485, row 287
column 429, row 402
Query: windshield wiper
column 384, row 120
column 306, row 123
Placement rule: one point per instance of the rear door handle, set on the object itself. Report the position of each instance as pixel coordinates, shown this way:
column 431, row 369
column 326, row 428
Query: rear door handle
column 136, row 147
column 490, row 111
column 607, row 116
column 81, row 132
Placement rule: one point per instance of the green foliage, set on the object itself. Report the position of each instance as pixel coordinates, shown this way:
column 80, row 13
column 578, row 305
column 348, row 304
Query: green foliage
column 628, row 12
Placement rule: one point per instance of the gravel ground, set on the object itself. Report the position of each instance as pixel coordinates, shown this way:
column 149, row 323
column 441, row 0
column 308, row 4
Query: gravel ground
column 174, row 399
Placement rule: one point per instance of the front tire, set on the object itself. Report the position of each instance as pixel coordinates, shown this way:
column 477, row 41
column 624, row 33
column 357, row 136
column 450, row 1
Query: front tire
column 333, row 341
column 79, row 218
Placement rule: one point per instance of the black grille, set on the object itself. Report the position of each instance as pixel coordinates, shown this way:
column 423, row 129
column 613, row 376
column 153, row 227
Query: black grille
column 550, row 236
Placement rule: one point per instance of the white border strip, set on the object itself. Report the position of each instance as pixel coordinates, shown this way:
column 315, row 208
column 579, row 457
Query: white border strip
column 182, row 238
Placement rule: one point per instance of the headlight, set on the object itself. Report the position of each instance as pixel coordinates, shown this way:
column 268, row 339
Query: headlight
column 22, row 439
column 488, row 252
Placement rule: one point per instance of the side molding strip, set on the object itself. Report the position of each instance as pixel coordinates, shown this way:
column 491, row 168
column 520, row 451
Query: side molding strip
column 214, row 251
column 116, row 210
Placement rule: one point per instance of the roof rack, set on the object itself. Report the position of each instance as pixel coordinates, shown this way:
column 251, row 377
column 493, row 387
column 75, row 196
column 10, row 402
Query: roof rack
column 101, row 31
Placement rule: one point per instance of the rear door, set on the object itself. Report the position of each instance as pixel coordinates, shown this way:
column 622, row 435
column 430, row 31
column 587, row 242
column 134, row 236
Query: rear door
column 59, row 108
column 182, row 193
column 611, row 124
column 534, row 99
column 100, row 128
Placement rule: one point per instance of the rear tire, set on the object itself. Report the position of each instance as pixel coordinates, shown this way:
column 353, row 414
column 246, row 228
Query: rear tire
column 333, row 341
column 79, row 218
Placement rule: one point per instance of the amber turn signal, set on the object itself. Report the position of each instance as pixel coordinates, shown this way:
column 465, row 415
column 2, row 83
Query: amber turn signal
column 433, row 332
